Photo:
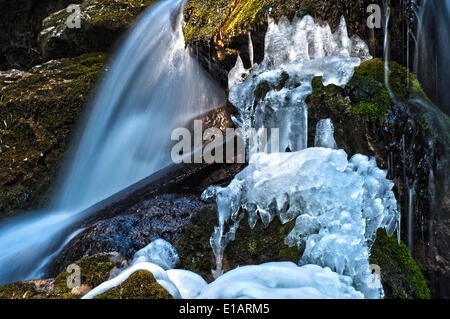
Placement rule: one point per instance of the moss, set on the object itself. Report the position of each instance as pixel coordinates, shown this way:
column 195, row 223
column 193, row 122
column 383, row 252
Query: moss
column 102, row 23
column 261, row 90
column 19, row 290
column 222, row 20
column 140, row 285
column 250, row 247
column 38, row 111
column 260, row 245
column 400, row 275
column 94, row 271
column 421, row 121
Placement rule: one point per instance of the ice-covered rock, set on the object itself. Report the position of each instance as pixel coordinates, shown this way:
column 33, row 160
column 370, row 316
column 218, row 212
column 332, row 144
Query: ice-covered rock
column 273, row 94
column 325, row 134
column 338, row 206
column 158, row 252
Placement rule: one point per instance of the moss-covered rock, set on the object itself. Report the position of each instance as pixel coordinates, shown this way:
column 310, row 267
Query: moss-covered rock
column 219, row 29
column 140, row 285
column 19, row 290
column 400, row 275
column 38, row 110
column 250, row 247
column 101, row 24
column 93, row 270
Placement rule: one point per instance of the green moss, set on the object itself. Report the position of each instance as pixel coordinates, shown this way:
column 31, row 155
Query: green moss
column 400, row 275
column 260, row 245
column 19, row 290
column 38, row 111
column 94, row 271
column 102, row 23
column 222, row 20
column 193, row 246
column 421, row 121
column 140, row 285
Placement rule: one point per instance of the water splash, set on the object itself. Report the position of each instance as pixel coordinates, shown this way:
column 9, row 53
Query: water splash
column 152, row 87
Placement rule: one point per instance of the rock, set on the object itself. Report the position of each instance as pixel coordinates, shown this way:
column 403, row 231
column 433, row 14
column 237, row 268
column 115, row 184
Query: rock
column 20, row 23
column 93, row 271
column 38, row 111
column 402, row 139
column 140, row 285
column 400, row 275
column 81, row 291
column 102, row 22
column 251, row 247
column 218, row 30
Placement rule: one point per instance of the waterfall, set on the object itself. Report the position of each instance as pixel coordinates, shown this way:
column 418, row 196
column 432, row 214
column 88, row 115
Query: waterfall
column 152, row 87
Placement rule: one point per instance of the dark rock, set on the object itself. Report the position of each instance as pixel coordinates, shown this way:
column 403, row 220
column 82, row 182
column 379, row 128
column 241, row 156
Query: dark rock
column 161, row 217
column 102, row 22
column 140, row 285
column 250, row 247
column 20, row 23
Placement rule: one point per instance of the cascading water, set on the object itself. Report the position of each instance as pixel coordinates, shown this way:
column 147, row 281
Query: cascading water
column 152, row 87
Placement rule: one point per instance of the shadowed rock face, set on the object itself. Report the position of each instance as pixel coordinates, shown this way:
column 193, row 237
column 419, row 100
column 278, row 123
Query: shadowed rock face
column 38, row 112
column 102, row 22
column 20, row 23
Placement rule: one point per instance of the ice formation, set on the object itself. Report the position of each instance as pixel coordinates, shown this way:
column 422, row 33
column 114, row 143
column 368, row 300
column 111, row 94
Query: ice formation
column 273, row 94
column 158, row 252
column 337, row 204
column 325, row 134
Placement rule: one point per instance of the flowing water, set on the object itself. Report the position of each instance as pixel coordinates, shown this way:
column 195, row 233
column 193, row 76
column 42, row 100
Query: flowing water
column 152, row 87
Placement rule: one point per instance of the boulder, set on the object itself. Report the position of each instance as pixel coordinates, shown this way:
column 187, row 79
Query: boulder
column 38, row 111
column 102, row 22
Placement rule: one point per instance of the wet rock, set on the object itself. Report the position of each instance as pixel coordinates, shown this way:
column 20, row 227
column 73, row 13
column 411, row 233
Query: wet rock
column 102, row 22
column 93, row 271
column 38, row 111
column 250, row 247
column 163, row 217
column 20, row 23
column 400, row 275
column 140, row 285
